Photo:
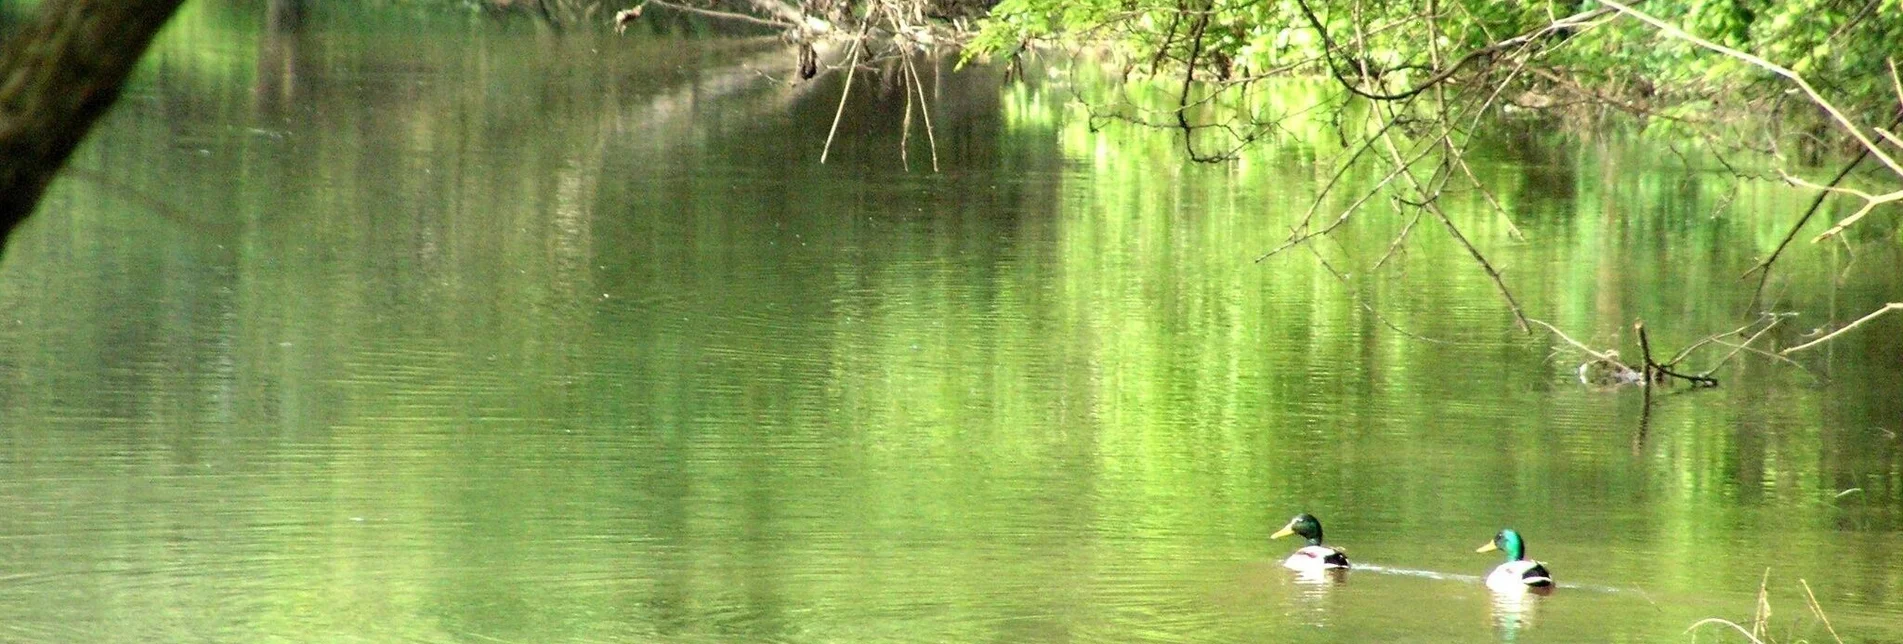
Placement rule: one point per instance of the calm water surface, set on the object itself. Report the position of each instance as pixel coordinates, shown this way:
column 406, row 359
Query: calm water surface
column 437, row 328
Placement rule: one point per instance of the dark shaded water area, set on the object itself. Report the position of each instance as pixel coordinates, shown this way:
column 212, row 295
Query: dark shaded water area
column 406, row 326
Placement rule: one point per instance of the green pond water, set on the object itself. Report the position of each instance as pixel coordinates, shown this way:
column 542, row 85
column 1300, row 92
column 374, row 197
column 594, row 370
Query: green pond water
column 424, row 327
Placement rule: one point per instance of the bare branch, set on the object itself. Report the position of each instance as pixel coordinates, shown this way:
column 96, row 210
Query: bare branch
column 1297, row 239
column 1725, row 622
column 1608, row 356
column 1519, row 318
column 1687, row 351
column 1845, row 328
column 1763, row 268
column 622, row 17
column 1887, row 136
column 1819, row 610
column 1870, row 203
column 1896, row 84
column 1653, row 367
column 924, row 110
column 852, row 67
column 1399, row 240
column 1746, row 347
column 1365, row 306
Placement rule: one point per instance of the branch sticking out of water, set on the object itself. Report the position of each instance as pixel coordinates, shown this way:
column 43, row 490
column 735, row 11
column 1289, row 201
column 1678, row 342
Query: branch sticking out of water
column 1819, row 611
column 1760, row 631
column 1656, row 372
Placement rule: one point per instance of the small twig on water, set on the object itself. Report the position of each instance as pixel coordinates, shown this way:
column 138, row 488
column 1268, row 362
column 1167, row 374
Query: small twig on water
column 1761, row 617
column 1819, row 610
column 1725, row 622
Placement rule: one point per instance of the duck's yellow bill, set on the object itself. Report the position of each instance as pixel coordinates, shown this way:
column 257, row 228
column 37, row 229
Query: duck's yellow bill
column 1281, row 533
column 1487, row 548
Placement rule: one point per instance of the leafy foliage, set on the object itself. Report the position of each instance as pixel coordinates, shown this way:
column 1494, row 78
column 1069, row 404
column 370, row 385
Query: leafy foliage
column 1844, row 45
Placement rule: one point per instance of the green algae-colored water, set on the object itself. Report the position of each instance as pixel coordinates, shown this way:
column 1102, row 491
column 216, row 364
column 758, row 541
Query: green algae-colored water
column 445, row 329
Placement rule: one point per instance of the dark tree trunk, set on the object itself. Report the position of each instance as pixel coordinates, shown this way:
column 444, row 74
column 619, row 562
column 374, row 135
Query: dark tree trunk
column 58, row 74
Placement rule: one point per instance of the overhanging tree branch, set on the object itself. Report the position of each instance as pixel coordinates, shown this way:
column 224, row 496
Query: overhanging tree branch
column 58, row 75
column 1575, row 20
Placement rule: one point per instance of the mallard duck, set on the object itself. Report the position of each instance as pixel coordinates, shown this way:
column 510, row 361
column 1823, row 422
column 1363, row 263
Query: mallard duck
column 1313, row 556
column 1519, row 572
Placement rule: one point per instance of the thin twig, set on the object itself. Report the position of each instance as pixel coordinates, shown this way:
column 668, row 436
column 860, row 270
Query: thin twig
column 1298, row 239
column 724, row 15
column 1399, row 241
column 1761, row 352
column 924, row 110
column 852, row 67
column 1687, row 351
column 1763, row 268
column 1725, row 622
column 1451, row 68
column 1519, row 318
column 1870, row 203
column 1819, row 610
column 1746, row 346
column 1840, row 331
column 1761, row 617
column 905, row 124
column 1363, row 303
column 1608, row 356
column 1296, row 236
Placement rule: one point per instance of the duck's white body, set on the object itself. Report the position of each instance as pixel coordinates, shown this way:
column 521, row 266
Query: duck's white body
column 1316, row 558
column 1519, row 575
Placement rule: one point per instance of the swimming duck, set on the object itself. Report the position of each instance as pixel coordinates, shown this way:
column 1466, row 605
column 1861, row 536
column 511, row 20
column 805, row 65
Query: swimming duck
column 1313, row 556
column 1518, row 573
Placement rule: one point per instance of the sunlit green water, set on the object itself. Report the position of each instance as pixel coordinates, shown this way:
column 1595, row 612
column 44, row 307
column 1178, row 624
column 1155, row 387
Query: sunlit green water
column 454, row 330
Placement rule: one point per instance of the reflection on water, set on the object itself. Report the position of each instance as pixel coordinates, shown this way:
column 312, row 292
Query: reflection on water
column 465, row 331
column 1516, row 611
column 1313, row 589
column 1319, row 581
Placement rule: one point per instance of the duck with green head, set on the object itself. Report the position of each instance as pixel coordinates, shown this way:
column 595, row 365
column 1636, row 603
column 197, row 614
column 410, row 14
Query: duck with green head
column 1518, row 573
column 1314, row 556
